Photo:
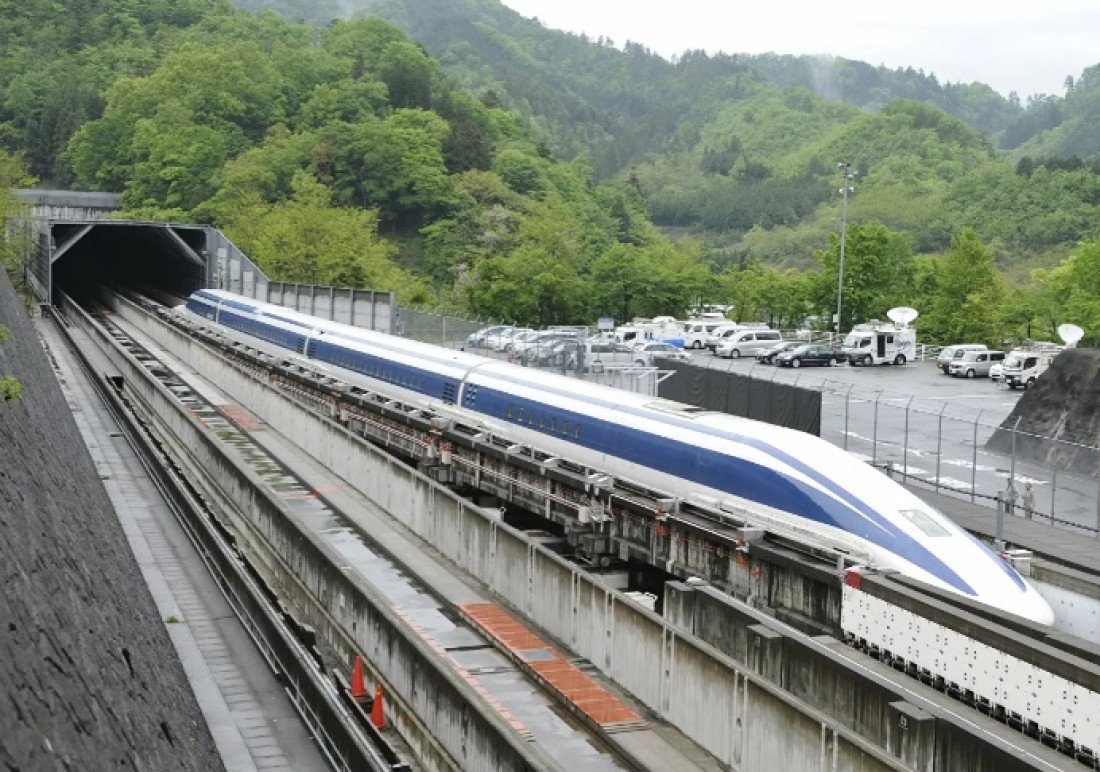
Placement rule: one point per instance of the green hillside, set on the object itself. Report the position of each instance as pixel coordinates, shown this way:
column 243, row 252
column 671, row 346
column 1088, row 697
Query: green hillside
column 740, row 150
column 535, row 176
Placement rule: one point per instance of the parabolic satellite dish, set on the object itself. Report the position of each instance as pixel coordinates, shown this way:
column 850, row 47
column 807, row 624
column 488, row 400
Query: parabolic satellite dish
column 902, row 315
column 1070, row 334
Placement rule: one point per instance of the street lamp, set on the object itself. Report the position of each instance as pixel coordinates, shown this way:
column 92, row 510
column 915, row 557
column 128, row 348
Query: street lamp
column 847, row 175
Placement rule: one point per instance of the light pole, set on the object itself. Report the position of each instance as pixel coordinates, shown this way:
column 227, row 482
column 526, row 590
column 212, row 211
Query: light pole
column 847, row 175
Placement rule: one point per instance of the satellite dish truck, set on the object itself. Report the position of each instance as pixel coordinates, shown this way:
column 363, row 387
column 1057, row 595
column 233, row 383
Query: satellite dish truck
column 877, row 343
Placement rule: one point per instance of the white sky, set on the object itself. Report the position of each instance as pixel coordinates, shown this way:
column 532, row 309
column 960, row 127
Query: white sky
column 1009, row 45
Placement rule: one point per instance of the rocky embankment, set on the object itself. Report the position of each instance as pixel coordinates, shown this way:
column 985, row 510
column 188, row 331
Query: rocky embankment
column 1057, row 421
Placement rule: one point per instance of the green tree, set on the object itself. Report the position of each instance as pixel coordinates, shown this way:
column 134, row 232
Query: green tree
column 538, row 280
column 307, row 240
column 653, row 280
column 1071, row 292
column 966, row 304
column 15, row 246
column 879, row 273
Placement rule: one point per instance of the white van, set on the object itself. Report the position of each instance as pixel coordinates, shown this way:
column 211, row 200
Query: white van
column 698, row 329
column 730, row 328
column 747, row 343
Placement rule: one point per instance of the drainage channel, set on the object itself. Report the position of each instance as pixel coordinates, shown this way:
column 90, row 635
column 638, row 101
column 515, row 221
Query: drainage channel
column 507, row 687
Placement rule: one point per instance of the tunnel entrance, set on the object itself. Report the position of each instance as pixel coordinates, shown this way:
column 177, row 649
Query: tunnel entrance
column 152, row 257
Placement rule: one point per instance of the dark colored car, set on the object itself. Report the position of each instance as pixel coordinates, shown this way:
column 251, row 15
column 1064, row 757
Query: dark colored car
column 808, row 354
column 767, row 356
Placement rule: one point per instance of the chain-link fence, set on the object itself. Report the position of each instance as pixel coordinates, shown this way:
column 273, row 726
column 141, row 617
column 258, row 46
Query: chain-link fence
column 438, row 328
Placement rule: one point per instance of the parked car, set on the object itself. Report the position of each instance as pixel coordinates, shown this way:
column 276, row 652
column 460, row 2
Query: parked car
column 530, row 343
column 975, row 364
column 538, row 350
column 479, row 338
column 646, row 354
column 949, row 353
column 997, row 371
column 716, row 335
column 520, row 339
column 808, row 354
column 767, row 356
column 503, row 340
column 746, row 343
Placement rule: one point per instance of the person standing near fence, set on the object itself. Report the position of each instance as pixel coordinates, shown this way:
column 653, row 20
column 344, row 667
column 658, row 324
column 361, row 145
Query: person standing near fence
column 1029, row 500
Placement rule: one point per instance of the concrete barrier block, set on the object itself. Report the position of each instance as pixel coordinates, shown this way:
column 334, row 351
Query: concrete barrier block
column 765, row 654
column 911, row 735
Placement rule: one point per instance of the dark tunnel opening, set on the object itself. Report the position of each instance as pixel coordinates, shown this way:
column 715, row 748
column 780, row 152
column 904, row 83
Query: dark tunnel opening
column 163, row 259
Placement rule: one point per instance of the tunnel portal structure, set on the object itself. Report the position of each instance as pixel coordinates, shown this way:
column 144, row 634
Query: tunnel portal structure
column 75, row 248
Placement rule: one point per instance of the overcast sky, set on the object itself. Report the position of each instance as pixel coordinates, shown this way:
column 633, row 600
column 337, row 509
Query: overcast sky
column 1012, row 47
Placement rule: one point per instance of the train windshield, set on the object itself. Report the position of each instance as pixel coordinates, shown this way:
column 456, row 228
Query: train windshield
column 924, row 522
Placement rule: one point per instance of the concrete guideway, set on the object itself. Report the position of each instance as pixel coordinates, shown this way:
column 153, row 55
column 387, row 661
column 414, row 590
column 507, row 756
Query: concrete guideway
column 494, row 674
column 254, row 726
column 409, row 572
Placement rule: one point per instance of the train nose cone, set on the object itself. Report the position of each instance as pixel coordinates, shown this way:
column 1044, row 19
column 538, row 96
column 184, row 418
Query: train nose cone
column 1034, row 606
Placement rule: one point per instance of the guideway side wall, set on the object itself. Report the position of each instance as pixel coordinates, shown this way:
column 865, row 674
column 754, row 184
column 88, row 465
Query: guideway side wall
column 734, row 713
column 880, row 713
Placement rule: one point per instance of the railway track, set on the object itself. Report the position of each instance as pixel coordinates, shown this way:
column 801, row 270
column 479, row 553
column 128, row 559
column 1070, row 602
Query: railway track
column 336, row 721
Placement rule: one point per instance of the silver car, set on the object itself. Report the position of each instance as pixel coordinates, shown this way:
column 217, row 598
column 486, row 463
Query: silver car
column 646, row 354
column 975, row 364
column 950, row 353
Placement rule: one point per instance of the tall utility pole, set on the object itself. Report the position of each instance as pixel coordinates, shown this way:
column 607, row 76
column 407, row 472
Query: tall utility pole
column 847, row 175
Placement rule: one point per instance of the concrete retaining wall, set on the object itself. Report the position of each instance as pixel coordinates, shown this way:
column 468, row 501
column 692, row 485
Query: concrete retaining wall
column 740, row 717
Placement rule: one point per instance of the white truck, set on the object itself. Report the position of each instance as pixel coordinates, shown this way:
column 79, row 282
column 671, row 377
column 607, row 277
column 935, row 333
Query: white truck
column 878, row 343
column 1023, row 366
column 659, row 330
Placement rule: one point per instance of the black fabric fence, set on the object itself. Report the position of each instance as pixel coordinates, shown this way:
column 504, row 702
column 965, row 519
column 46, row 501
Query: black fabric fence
column 780, row 404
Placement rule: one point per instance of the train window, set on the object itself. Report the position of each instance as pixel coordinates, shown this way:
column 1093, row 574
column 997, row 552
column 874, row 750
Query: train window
column 564, row 428
column 924, row 522
column 553, row 425
column 577, row 432
column 509, row 411
column 521, row 415
column 542, row 421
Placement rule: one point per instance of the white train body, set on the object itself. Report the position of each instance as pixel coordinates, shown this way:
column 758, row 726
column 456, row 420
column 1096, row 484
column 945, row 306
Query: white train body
column 787, row 480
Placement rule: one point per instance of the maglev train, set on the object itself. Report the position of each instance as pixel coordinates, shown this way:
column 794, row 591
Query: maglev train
column 794, row 482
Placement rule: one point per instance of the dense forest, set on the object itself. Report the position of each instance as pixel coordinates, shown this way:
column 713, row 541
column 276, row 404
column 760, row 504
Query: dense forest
column 471, row 159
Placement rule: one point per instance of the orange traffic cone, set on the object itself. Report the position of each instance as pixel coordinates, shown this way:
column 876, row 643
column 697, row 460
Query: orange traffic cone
column 358, row 691
column 376, row 716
